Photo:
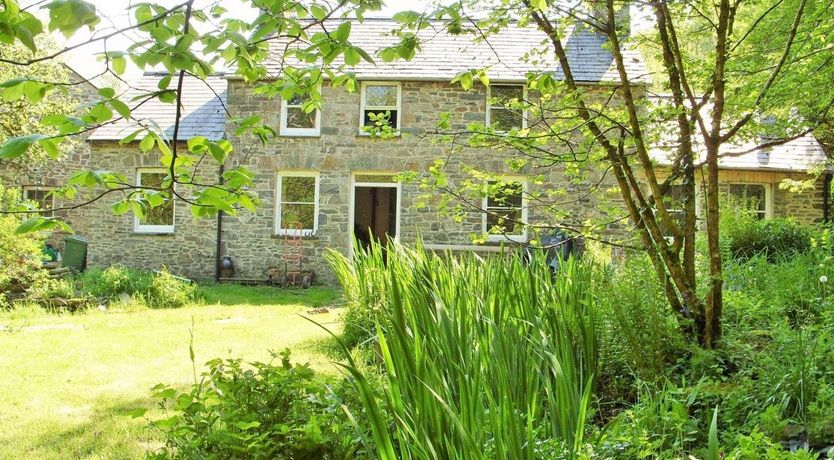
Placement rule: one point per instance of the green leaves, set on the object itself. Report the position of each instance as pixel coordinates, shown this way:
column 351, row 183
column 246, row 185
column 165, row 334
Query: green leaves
column 20, row 25
column 218, row 150
column 17, row 88
column 39, row 223
column 67, row 16
column 17, row 146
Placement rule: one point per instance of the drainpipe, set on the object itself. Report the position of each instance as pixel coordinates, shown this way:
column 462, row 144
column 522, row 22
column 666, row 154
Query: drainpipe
column 826, row 197
column 219, row 237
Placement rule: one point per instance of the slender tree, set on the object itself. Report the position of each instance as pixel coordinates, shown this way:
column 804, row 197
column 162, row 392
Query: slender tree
column 729, row 73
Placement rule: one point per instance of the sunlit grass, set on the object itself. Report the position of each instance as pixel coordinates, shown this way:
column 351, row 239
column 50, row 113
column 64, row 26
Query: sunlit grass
column 69, row 380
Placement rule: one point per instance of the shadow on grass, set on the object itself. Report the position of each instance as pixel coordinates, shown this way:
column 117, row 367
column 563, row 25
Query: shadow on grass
column 107, row 431
column 235, row 294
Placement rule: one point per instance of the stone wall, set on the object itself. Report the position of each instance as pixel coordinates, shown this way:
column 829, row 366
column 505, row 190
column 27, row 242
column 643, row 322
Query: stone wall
column 341, row 152
column 806, row 206
column 189, row 251
column 337, row 155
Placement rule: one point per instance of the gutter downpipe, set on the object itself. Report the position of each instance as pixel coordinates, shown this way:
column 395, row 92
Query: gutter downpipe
column 219, row 237
column 826, row 199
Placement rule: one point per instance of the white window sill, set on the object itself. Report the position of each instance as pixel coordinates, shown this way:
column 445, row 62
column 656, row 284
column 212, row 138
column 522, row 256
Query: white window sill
column 507, row 239
column 299, row 133
column 147, row 232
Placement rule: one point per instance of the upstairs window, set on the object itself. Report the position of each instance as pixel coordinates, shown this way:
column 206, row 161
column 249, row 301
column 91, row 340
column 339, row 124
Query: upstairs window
column 756, row 196
column 159, row 219
column 42, row 197
column 380, row 100
column 505, row 211
column 296, row 120
column 297, row 203
column 501, row 116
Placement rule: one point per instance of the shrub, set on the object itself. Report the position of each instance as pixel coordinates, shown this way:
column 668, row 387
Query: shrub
column 266, row 412
column 114, row 281
column 168, row 291
column 745, row 236
column 153, row 289
column 20, row 254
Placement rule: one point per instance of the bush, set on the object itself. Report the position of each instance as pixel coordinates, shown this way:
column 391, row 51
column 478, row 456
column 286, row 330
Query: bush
column 20, row 254
column 168, row 291
column 153, row 289
column 114, row 281
column 266, row 412
column 745, row 236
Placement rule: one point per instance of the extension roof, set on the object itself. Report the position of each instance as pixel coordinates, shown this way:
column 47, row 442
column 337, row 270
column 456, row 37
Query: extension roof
column 443, row 56
column 798, row 155
column 203, row 112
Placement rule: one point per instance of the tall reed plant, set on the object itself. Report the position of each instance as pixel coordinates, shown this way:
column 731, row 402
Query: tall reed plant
column 482, row 357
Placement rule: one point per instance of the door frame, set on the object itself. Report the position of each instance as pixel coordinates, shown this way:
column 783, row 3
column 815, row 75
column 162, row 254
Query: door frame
column 352, row 206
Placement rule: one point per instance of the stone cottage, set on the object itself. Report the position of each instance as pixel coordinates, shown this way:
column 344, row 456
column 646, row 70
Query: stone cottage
column 325, row 181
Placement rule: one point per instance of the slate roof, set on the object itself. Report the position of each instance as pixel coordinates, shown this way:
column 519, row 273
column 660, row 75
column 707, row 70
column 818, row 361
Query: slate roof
column 203, row 111
column 443, row 55
column 798, row 155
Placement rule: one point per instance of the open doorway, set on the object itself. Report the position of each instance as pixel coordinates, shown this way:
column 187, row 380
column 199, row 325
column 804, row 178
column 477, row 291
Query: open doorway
column 375, row 212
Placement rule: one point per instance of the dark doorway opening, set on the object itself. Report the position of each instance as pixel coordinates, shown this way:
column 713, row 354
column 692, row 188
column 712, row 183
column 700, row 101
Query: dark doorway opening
column 374, row 214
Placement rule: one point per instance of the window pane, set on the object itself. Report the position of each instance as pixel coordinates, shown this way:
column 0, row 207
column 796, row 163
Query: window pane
column 296, row 118
column 505, row 119
column 504, row 221
column 152, row 179
column 753, row 195
column 40, row 197
column 502, row 94
column 392, row 118
column 381, row 96
column 298, row 189
column 508, row 196
column 292, row 213
column 160, row 215
column 298, row 99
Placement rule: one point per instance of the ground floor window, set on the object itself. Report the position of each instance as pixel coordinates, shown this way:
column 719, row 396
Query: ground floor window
column 159, row 219
column 42, row 197
column 297, row 202
column 756, row 196
column 505, row 210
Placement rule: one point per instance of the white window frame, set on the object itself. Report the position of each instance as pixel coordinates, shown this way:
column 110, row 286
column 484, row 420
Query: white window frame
column 362, row 108
column 381, row 184
column 40, row 188
column 768, row 187
column 490, row 106
column 279, row 183
column 283, row 130
column 518, row 237
column 138, row 226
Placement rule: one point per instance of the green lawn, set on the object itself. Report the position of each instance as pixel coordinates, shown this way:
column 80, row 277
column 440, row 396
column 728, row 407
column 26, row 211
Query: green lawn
column 68, row 380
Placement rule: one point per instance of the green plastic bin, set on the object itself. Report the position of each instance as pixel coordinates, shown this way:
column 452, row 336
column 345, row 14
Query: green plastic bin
column 75, row 252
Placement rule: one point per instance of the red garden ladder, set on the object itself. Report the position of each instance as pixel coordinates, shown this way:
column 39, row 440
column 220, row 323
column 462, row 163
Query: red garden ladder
column 293, row 253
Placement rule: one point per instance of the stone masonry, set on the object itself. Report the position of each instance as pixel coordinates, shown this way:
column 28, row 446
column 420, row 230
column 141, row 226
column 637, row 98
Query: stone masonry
column 337, row 155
